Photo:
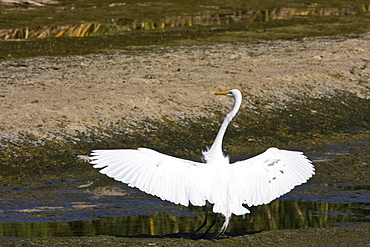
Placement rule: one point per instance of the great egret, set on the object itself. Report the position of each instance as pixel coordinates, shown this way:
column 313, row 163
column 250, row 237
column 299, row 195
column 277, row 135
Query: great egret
column 254, row 181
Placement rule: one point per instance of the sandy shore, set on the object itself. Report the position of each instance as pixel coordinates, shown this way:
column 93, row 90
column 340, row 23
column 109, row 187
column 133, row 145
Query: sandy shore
column 43, row 95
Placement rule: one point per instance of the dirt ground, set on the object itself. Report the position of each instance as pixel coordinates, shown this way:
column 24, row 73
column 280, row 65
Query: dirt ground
column 44, row 95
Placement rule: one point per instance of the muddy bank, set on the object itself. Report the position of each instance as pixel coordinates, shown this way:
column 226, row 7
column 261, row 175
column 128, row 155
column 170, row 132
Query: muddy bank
column 48, row 95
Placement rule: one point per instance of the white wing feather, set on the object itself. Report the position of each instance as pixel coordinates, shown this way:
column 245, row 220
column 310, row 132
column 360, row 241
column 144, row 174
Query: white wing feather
column 254, row 181
column 172, row 179
column 267, row 176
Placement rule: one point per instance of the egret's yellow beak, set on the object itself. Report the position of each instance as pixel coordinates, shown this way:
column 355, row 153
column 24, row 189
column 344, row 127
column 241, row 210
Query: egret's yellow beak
column 223, row 93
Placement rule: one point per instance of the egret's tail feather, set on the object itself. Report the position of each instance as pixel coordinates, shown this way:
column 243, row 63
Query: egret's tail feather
column 224, row 226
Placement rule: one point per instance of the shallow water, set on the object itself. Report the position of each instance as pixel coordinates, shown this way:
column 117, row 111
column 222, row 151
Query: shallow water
column 115, row 210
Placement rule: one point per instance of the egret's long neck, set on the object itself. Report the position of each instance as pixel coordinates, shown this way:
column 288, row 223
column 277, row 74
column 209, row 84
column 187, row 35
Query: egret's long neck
column 216, row 148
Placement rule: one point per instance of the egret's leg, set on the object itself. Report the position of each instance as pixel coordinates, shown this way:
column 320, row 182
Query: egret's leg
column 209, row 228
column 204, row 222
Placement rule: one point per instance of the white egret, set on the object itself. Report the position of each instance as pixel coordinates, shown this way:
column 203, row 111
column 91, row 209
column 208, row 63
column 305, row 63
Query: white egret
column 254, row 181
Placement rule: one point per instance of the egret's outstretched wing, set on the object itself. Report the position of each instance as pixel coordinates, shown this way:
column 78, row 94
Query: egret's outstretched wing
column 263, row 178
column 173, row 179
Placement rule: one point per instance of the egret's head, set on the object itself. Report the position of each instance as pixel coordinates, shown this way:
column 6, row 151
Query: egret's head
column 230, row 93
